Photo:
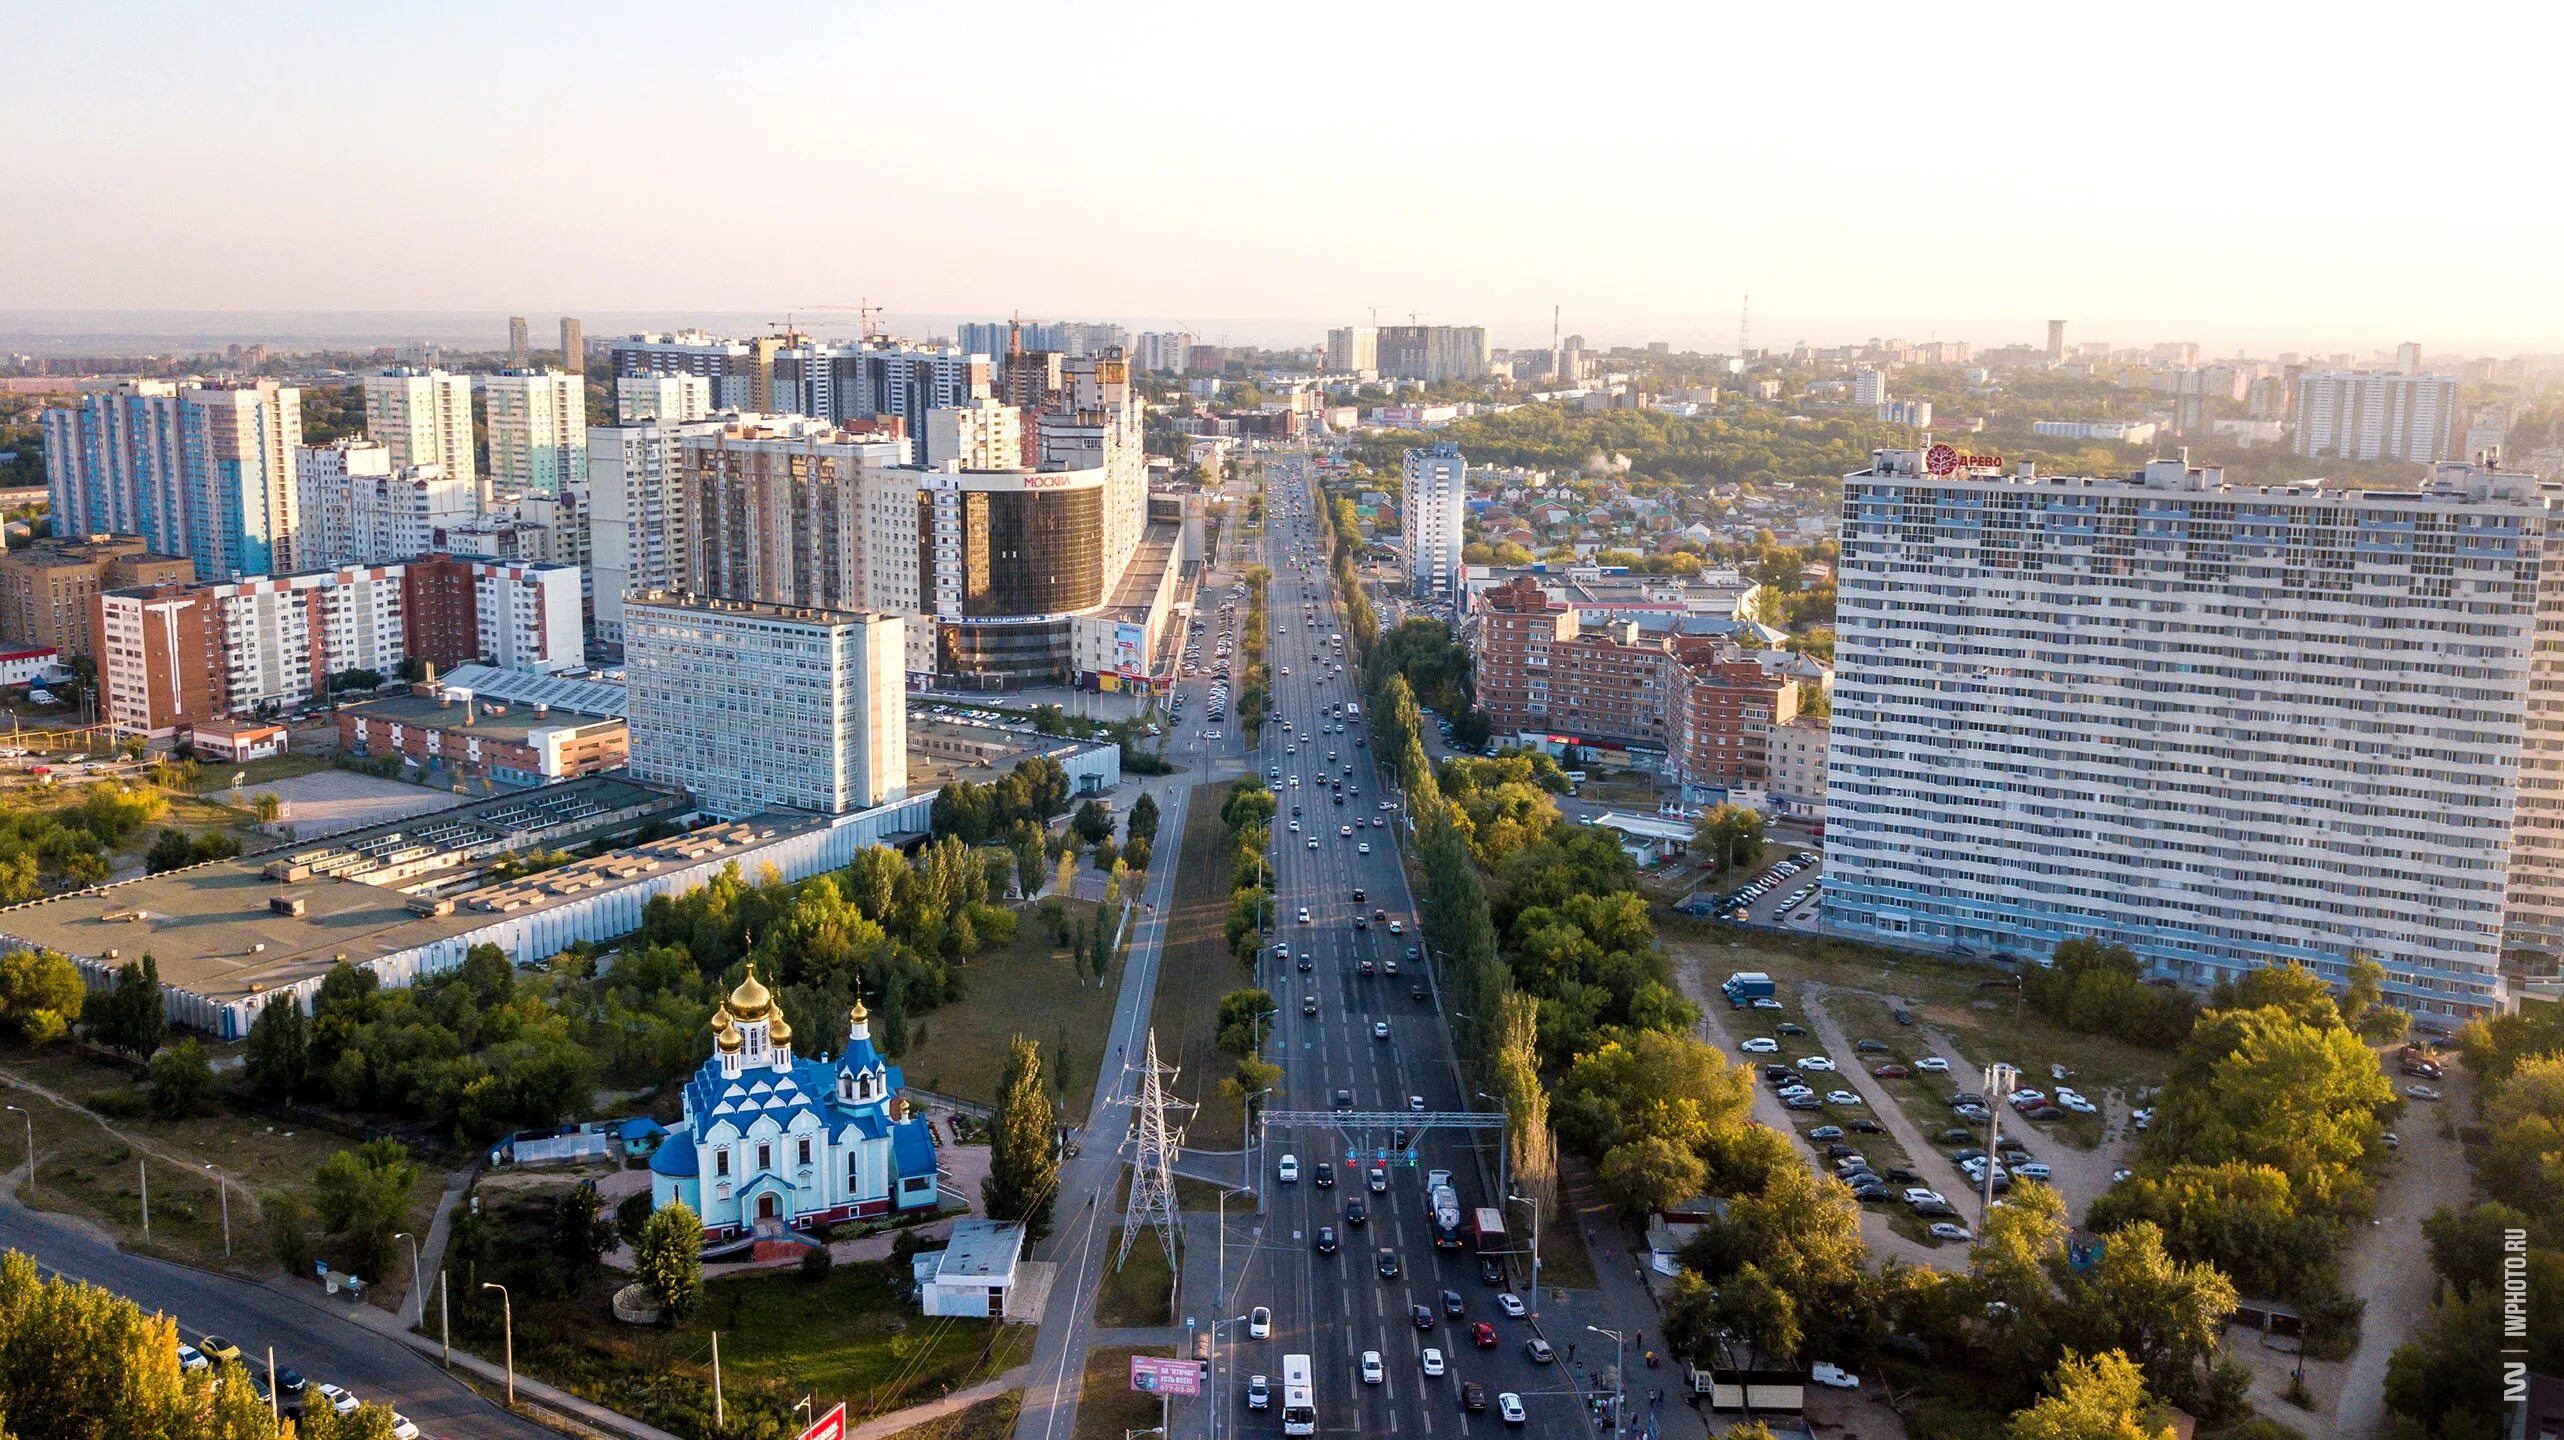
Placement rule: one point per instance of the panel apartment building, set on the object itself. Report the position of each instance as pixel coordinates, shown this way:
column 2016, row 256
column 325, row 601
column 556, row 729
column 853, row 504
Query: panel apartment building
column 2224, row 726
column 1700, row 708
column 174, row 654
column 196, row 468
column 49, row 588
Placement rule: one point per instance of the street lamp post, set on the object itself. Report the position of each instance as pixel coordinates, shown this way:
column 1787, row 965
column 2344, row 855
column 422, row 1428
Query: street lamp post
column 30, row 1118
column 1533, row 1201
column 1619, row 1374
column 507, row 1332
column 222, row 1192
column 418, row 1284
column 1999, row 1080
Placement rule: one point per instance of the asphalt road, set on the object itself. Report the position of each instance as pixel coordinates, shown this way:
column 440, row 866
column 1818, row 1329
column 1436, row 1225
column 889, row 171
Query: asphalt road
column 323, row 1346
column 1335, row 1307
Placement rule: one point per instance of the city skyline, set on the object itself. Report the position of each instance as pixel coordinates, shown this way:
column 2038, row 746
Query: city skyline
column 1795, row 184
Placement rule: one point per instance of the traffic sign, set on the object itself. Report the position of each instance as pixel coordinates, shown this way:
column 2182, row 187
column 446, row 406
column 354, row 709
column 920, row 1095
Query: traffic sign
column 831, row 1426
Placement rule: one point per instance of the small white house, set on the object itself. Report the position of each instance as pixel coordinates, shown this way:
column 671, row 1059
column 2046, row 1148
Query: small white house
column 972, row 1275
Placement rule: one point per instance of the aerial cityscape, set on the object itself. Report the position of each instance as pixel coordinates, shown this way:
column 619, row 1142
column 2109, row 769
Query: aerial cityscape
column 682, row 765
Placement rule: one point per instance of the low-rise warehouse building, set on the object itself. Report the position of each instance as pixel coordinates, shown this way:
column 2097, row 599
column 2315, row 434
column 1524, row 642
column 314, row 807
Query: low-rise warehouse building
column 511, row 743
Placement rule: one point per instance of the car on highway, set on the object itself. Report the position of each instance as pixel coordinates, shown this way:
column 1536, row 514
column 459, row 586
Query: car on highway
column 1372, row 1372
column 1379, row 1181
column 1289, row 1169
column 1304, row 915
column 1356, row 1213
column 1326, row 1240
column 1509, row 1405
column 1259, row 1393
column 1421, row 1316
column 1473, row 1397
column 1259, row 1323
column 1415, row 1103
column 1511, row 1304
column 1363, row 848
column 1388, row 1263
column 1431, row 1360
column 1379, row 1029
column 1539, row 1351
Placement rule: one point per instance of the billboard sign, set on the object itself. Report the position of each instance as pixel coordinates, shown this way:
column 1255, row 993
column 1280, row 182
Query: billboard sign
column 1165, row 1375
column 831, row 1426
column 1130, row 651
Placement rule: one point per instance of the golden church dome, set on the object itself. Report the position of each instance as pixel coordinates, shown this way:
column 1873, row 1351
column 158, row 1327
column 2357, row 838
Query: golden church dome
column 751, row 1000
column 728, row 1042
column 780, row 1032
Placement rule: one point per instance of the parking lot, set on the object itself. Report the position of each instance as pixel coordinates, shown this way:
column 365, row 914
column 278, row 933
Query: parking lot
column 1786, row 890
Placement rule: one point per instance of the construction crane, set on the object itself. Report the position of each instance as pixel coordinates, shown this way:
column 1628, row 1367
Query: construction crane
column 865, row 312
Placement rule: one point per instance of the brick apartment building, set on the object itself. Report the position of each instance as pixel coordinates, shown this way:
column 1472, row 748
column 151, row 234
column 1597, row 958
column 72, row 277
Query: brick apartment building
column 171, row 655
column 1704, row 705
column 48, row 587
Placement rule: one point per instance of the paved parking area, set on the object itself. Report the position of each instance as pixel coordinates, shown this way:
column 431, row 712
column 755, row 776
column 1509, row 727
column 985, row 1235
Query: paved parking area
column 326, row 802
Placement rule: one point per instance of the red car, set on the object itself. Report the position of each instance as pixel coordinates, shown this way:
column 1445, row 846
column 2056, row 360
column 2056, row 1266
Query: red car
column 1484, row 1334
column 1891, row 1071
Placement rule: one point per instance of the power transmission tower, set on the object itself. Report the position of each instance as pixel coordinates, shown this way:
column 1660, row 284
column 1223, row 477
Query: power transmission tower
column 1155, row 1137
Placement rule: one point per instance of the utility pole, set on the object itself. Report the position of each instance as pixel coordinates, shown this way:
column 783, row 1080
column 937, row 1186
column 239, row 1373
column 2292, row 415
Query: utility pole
column 1619, row 1375
column 28, row 1116
column 143, row 1167
column 507, row 1330
column 718, row 1419
column 444, row 1322
column 1156, row 1140
column 1999, row 1079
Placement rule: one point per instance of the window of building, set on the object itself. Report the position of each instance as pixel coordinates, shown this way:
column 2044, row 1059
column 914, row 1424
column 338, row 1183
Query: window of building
column 805, row 1150
column 765, row 1157
column 720, row 1162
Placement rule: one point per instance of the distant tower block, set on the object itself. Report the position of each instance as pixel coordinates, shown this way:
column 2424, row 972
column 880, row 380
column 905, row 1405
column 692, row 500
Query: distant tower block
column 2056, row 341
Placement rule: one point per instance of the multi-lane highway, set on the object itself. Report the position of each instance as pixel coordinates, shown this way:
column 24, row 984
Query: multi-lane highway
column 1371, row 1043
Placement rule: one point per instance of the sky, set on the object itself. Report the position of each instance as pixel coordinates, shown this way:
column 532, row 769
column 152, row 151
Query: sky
column 2240, row 174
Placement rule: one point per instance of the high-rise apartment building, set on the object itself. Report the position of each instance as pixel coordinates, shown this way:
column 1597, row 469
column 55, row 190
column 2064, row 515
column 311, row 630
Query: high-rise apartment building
column 1353, row 350
column 1435, row 504
column 984, row 435
column 1869, row 387
column 424, row 417
column 1433, row 352
column 637, row 534
column 2056, row 342
column 641, row 399
column 520, row 340
column 1167, row 351
column 574, row 346
column 538, row 430
column 798, row 513
column 2360, row 415
column 2408, row 358
column 47, row 587
column 200, row 469
column 173, row 654
column 738, row 371
column 753, row 707
column 354, row 508
column 2224, row 726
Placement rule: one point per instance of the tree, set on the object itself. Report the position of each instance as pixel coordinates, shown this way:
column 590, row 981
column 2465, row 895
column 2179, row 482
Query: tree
column 1092, row 824
column 1025, row 840
column 182, row 1081
column 890, row 1020
column 364, row 1194
column 631, row 1217
column 267, row 806
column 2139, row 1302
column 1650, row 1172
column 2363, row 1003
column 1240, row 1013
column 669, row 1259
column 1142, row 824
column 79, row 1361
column 1023, row 1161
column 1064, row 879
column 1729, row 836
column 581, row 1233
column 279, row 1057
column 2241, row 1218
column 2101, row 1398
column 132, row 1018
column 41, row 994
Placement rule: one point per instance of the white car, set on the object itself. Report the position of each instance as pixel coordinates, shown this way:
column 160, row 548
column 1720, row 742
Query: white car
column 1511, row 1304
column 1372, row 1373
column 337, row 1399
column 1825, row 1372
column 190, row 1358
column 1792, row 1092
column 1761, row 1045
column 1950, row 1230
column 2077, row 1103
column 1766, row 1002
column 1932, row 1065
column 1304, row 915
column 1815, row 1062
column 2033, row 1170
column 403, row 1427
column 1509, row 1405
column 1259, row 1323
column 1290, row 1169
column 1379, row 1029
column 1841, row 1097
column 1364, row 848
column 1344, row 832
column 1432, row 1361
column 1923, row 1195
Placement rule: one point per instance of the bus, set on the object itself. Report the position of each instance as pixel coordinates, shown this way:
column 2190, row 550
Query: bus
column 1352, row 711
column 1299, row 1397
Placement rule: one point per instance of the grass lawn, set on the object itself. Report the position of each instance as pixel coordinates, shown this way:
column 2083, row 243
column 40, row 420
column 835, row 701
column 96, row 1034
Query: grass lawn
column 992, row 1419
column 1195, row 970
column 854, row 1336
column 1029, row 988
column 212, row 776
column 1107, row 1407
column 1141, row 1292
column 85, row 1169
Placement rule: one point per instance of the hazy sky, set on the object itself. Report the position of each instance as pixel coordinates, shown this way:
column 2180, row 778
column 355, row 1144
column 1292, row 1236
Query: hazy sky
column 2278, row 174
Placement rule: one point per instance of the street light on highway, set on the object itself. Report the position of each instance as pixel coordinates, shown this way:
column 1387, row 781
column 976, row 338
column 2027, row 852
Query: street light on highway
column 418, row 1285
column 29, row 1117
column 1619, row 1374
column 507, row 1331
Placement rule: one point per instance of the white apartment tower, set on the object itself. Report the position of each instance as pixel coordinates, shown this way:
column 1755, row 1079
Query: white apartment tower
column 1436, row 501
column 1869, row 387
column 636, row 506
column 538, row 430
column 424, row 417
column 1353, row 350
column 987, row 434
column 754, row 707
column 2224, row 726
column 639, row 399
column 2358, row 415
column 204, row 470
column 355, row 508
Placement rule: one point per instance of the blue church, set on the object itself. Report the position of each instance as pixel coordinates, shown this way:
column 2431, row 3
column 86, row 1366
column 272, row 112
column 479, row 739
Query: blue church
column 770, row 1143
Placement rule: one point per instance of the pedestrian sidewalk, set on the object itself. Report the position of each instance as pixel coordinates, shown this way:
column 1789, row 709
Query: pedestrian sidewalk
column 936, row 1409
column 1622, row 1302
column 581, row 1416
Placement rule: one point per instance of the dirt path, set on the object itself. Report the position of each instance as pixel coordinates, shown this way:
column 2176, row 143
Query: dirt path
column 183, row 1162
column 1875, row 1232
column 1930, row 1160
